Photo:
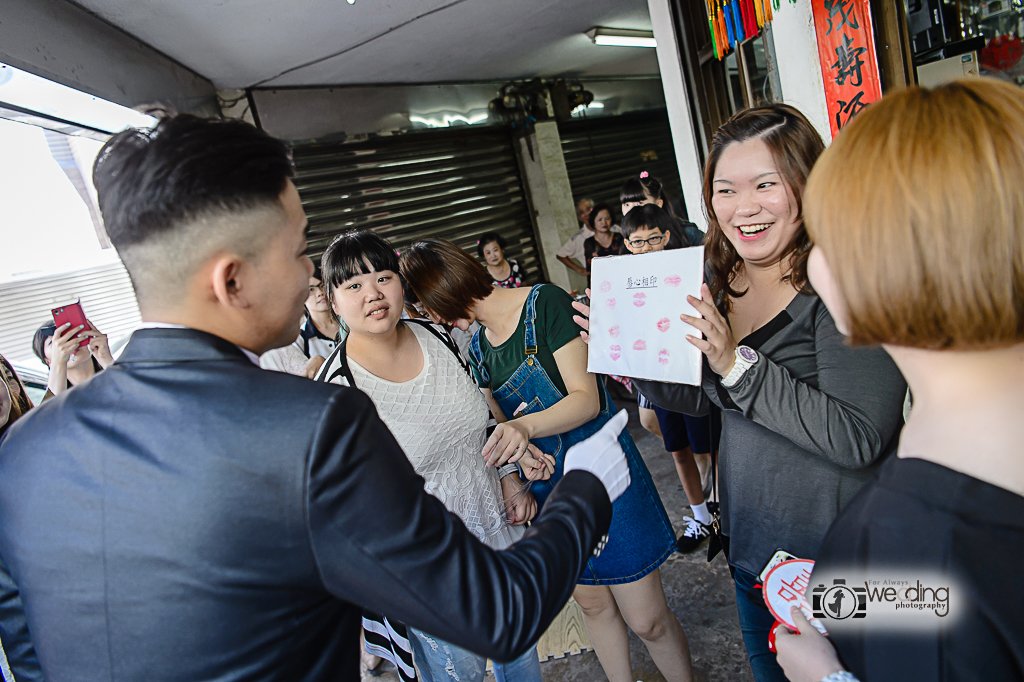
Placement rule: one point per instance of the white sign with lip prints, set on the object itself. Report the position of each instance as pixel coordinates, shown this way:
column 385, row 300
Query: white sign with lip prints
column 635, row 303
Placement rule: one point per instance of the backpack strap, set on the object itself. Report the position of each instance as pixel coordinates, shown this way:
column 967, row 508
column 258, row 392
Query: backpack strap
column 444, row 337
column 342, row 370
column 478, row 357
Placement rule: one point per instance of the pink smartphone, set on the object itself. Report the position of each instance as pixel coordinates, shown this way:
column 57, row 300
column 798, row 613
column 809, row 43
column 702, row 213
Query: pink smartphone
column 71, row 314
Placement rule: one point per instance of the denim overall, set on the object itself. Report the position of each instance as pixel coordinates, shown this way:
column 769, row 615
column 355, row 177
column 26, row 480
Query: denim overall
column 641, row 536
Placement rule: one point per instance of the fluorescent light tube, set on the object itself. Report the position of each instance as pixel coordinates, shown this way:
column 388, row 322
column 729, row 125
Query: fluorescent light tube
column 619, row 37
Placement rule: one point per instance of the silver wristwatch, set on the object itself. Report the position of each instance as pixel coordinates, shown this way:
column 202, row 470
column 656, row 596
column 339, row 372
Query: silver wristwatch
column 746, row 357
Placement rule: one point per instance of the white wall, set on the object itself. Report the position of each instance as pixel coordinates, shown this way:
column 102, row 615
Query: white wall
column 796, row 47
column 679, row 118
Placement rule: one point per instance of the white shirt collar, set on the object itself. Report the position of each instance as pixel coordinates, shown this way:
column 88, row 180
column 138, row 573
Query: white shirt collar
column 255, row 359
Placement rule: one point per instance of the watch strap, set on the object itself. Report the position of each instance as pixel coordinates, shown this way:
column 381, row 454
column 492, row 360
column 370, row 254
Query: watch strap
column 745, row 359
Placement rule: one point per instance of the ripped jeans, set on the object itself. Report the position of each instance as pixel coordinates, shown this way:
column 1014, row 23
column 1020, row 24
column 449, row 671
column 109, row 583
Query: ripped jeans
column 440, row 661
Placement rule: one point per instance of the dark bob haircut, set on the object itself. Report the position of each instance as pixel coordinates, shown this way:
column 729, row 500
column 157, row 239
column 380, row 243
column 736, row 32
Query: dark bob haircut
column 489, row 238
column 348, row 255
column 648, row 216
column 45, row 331
column 446, row 280
column 597, row 209
column 150, row 181
column 638, row 189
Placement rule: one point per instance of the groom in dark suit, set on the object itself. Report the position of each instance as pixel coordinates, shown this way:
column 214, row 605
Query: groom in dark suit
column 187, row 516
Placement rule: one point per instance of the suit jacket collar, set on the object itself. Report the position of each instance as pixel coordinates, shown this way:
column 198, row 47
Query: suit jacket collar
column 179, row 345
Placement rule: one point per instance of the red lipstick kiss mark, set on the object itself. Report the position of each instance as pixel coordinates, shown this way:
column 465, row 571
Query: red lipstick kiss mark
column 664, row 324
column 610, row 303
column 613, row 331
column 663, row 356
column 673, row 280
column 606, row 286
column 615, row 355
column 640, row 345
column 639, row 299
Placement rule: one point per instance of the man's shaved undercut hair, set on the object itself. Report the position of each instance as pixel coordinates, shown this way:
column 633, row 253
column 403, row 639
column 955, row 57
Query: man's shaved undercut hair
column 175, row 195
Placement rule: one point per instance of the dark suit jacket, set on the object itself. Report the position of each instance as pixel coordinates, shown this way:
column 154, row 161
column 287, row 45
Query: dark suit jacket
column 186, row 515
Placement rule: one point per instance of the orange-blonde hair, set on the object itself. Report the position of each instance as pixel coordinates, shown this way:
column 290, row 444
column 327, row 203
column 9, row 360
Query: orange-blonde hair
column 918, row 206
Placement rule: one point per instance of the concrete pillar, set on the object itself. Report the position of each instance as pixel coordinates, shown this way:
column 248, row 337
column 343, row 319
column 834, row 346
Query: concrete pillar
column 679, row 115
column 547, row 183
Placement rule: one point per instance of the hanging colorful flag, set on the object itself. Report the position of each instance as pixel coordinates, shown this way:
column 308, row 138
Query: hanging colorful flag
column 728, row 25
column 737, row 24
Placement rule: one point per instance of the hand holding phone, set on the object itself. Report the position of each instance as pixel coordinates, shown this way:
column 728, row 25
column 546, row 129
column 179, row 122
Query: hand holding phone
column 74, row 315
column 64, row 345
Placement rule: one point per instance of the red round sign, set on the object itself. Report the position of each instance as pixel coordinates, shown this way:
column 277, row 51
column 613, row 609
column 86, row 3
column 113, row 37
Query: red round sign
column 784, row 588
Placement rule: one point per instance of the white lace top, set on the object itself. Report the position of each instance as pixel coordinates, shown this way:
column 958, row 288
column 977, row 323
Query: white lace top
column 439, row 418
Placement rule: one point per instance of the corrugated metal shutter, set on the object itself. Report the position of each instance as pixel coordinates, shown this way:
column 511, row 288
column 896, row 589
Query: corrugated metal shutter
column 453, row 184
column 107, row 298
column 601, row 153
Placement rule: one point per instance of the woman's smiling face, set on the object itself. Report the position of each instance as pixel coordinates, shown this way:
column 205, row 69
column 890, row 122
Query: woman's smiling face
column 755, row 208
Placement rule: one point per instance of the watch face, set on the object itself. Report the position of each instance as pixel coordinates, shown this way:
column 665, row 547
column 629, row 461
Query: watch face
column 748, row 354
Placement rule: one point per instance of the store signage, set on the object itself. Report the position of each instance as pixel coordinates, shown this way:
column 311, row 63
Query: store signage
column 846, row 50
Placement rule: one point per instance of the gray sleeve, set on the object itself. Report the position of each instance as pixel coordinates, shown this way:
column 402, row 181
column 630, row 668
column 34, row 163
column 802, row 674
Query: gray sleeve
column 691, row 400
column 852, row 415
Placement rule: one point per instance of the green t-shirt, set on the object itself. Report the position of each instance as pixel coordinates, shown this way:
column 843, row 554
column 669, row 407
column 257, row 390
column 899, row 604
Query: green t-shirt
column 554, row 328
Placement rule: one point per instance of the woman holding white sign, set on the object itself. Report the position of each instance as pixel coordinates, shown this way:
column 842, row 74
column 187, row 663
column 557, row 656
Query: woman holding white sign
column 806, row 419
column 532, row 368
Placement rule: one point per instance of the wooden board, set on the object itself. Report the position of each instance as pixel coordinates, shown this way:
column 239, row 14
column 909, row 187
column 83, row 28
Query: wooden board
column 566, row 636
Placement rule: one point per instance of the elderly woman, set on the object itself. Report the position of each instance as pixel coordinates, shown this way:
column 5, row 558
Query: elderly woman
column 917, row 212
column 506, row 272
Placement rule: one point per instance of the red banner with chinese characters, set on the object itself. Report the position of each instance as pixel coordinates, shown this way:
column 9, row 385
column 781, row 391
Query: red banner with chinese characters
column 846, row 50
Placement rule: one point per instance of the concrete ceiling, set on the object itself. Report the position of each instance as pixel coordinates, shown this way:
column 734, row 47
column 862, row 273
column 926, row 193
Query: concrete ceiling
column 274, row 43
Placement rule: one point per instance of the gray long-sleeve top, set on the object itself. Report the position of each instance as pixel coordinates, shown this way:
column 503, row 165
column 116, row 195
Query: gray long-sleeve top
column 802, row 431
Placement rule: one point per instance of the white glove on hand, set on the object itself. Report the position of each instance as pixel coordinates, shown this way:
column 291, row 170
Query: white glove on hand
column 602, row 456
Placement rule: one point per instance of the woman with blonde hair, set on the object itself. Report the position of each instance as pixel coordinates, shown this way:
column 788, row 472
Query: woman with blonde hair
column 806, row 419
column 917, row 212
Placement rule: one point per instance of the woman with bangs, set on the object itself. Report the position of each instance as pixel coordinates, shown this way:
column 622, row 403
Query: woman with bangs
column 532, row 367
column 917, row 212
column 424, row 393
column 806, row 419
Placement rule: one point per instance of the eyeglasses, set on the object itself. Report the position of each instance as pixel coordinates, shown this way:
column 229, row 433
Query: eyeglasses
column 317, row 286
column 653, row 241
